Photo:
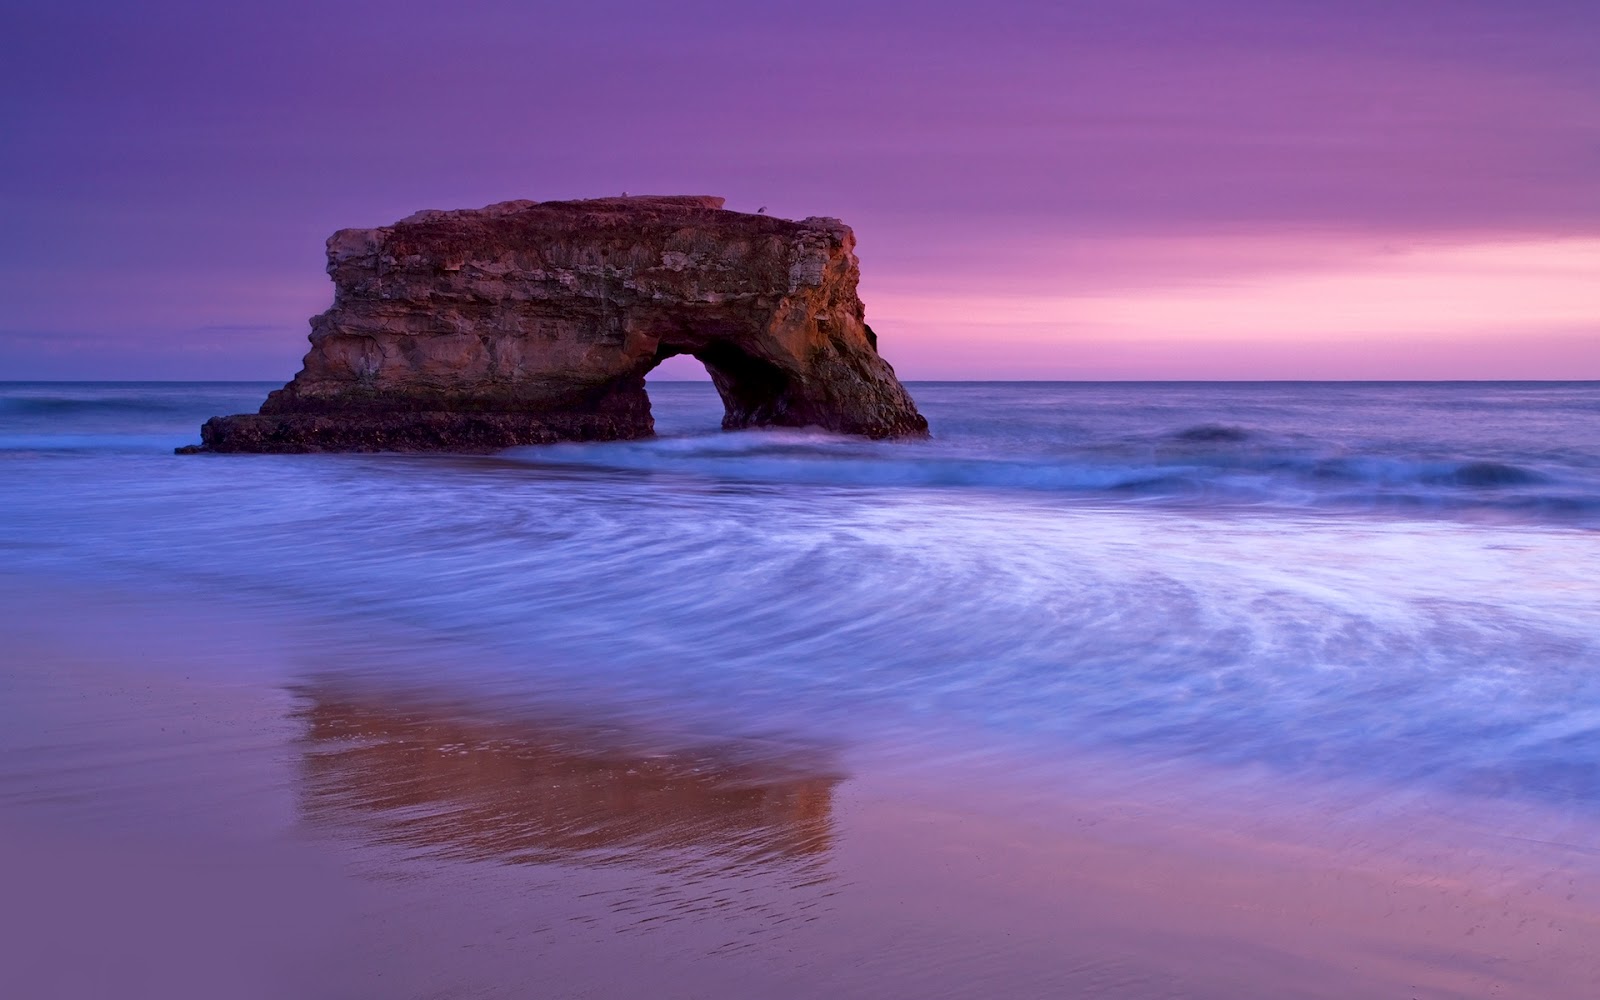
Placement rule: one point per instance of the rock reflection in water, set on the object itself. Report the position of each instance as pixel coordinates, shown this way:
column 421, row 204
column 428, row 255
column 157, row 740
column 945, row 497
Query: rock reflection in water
column 450, row 781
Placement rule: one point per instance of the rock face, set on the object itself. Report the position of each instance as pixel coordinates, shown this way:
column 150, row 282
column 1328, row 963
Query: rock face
column 528, row 322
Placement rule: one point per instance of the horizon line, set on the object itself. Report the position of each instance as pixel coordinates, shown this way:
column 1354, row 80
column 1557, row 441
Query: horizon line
column 923, row 381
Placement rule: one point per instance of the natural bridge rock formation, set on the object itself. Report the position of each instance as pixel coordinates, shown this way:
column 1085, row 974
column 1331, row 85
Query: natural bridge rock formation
column 527, row 322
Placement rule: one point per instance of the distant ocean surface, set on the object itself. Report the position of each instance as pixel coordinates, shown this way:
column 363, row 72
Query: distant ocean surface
column 1395, row 585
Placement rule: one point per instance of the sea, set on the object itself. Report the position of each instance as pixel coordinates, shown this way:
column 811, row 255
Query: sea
column 1352, row 606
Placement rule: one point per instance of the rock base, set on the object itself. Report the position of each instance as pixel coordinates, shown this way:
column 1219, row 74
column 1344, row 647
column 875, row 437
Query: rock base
column 460, row 432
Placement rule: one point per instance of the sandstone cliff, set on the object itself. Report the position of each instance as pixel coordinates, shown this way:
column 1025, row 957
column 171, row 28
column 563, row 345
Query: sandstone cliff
column 527, row 322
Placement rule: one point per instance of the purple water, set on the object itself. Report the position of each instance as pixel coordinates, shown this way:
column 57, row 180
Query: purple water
column 1392, row 584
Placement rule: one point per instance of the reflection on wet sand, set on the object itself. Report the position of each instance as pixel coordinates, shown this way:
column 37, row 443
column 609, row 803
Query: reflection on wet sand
column 451, row 781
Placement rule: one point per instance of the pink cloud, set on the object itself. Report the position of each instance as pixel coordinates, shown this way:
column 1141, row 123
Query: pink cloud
column 1528, row 309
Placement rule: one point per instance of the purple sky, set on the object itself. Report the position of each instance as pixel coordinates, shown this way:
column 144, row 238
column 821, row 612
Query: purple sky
column 1054, row 190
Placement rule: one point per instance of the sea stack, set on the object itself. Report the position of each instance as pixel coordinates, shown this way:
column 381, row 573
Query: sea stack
column 529, row 322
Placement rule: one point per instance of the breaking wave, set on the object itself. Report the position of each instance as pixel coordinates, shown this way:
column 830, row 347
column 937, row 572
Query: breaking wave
column 1225, row 466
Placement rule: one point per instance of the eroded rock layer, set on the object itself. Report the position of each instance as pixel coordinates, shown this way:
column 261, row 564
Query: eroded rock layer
column 529, row 322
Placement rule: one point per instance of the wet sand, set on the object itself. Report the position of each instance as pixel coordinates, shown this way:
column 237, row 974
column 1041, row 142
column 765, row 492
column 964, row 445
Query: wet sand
column 188, row 810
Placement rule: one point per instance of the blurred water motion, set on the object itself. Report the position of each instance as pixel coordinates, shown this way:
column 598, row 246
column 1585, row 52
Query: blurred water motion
column 448, row 780
column 1382, row 583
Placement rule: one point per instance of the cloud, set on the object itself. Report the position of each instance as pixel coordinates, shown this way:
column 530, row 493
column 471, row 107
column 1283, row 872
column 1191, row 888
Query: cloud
column 1471, row 309
column 1025, row 158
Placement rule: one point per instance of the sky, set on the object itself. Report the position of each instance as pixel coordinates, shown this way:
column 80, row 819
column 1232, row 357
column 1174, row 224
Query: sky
column 1125, row 189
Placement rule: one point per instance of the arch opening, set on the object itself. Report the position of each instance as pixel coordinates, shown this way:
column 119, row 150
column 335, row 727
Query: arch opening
column 754, row 392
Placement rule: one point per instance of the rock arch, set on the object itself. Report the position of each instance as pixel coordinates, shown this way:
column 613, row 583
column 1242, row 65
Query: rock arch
column 528, row 322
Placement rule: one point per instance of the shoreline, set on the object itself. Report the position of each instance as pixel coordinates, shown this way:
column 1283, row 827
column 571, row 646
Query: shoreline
column 431, row 842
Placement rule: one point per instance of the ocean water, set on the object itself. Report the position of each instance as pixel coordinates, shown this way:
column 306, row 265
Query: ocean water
column 1387, row 587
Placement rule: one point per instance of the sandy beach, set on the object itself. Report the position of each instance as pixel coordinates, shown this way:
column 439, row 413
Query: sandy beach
column 167, row 835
